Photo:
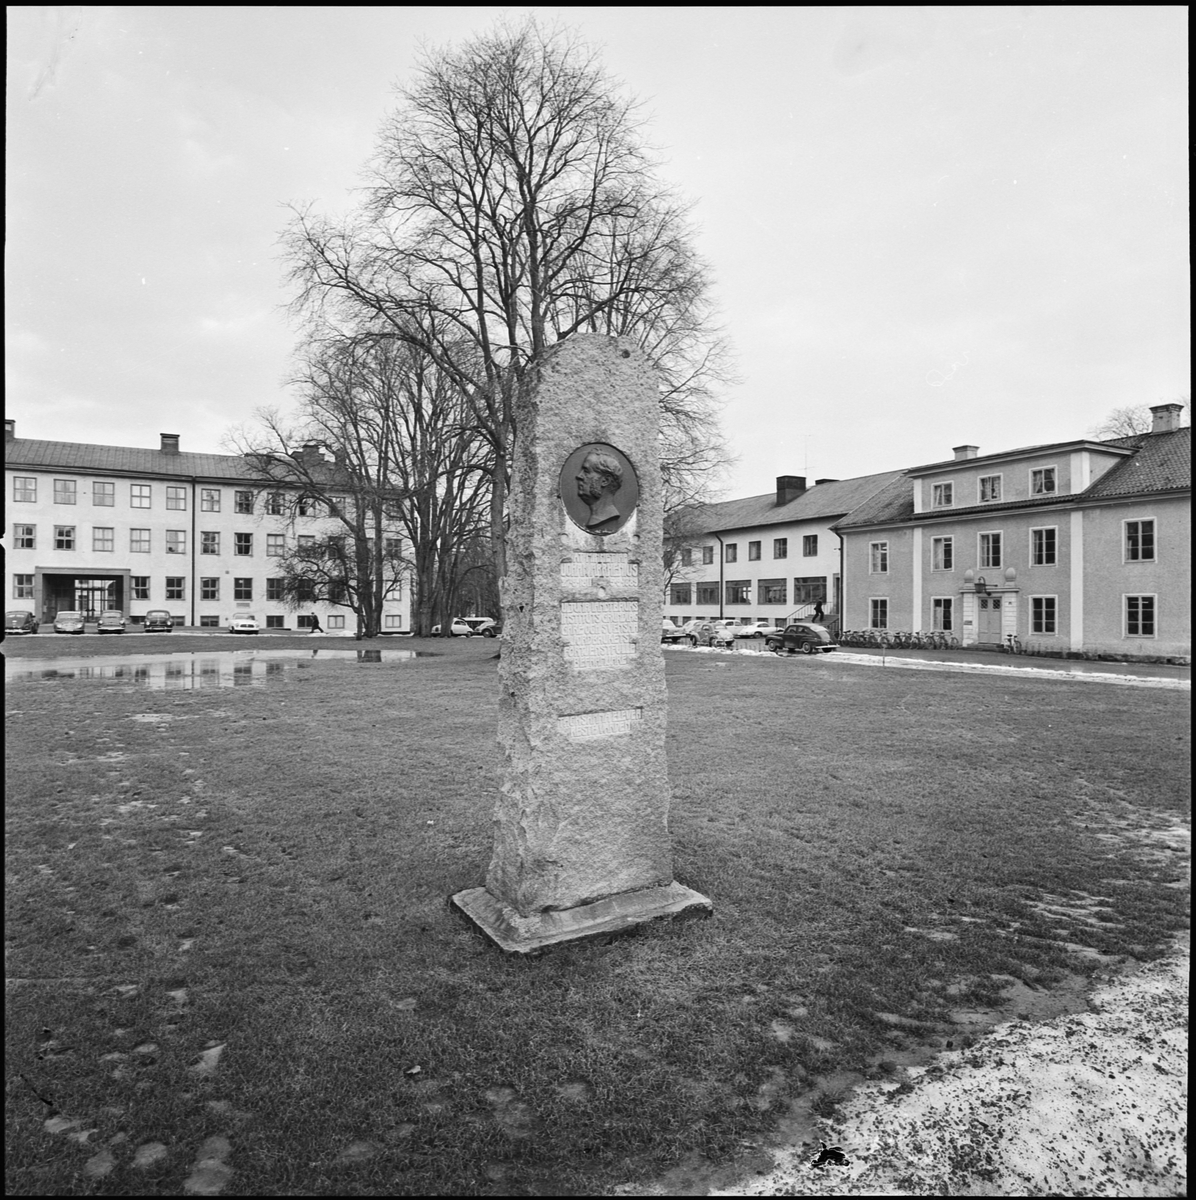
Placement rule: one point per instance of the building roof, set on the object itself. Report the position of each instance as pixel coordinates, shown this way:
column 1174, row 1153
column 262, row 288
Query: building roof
column 1160, row 462
column 124, row 460
column 824, row 500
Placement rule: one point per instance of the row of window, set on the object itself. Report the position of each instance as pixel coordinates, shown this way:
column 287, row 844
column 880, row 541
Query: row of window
column 806, row 590
column 103, row 539
column 780, row 549
column 1138, row 546
column 103, row 494
column 1044, row 481
column 1139, row 614
column 209, row 589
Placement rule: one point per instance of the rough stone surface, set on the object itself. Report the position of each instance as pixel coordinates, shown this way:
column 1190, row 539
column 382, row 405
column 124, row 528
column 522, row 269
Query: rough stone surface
column 582, row 812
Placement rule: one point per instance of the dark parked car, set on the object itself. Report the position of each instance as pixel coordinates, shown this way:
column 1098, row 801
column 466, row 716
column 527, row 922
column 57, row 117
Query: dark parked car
column 111, row 621
column 802, row 637
column 158, row 620
column 68, row 621
column 19, row 621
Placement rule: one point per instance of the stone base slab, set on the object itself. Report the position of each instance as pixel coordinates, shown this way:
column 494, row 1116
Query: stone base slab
column 615, row 914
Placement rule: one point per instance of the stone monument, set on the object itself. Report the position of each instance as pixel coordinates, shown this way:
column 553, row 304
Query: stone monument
column 581, row 839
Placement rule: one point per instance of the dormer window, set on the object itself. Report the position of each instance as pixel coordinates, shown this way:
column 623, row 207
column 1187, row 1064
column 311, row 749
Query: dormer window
column 943, row 495
column 1042, row 481
column 990, row 488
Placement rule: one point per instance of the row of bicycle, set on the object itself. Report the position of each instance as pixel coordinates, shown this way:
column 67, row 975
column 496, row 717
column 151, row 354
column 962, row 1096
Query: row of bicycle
column 896, row 639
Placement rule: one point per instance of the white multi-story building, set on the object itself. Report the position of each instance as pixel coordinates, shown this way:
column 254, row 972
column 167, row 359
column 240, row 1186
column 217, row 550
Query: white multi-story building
column 93, row 527
column 773, row 556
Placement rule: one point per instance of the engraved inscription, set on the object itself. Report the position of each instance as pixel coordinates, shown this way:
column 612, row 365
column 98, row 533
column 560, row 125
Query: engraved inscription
column 586, row 569
column 589, row 727
column 599, row 634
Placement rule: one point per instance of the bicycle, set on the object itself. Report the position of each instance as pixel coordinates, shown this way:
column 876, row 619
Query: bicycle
column 1013, row 644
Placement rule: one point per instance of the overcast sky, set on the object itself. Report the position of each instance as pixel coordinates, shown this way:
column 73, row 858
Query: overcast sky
column 926, row 226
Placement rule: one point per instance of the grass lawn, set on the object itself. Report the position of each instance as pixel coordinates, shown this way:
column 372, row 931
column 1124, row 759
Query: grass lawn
column 229, row 937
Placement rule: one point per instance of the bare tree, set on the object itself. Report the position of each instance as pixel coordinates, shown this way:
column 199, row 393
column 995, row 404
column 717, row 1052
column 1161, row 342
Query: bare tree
column 1130, row 421
column 513, row 204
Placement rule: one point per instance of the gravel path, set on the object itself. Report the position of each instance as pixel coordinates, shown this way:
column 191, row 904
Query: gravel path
column 1085, row 1105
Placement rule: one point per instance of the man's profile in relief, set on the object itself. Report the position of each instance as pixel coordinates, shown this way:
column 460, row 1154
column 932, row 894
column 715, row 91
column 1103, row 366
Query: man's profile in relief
column 599, row 478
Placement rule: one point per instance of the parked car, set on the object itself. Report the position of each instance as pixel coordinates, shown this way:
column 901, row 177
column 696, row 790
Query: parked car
column 458, row 628
column 754, row 629
column 802, row 637
column 670, row 633
column 68, row 621
column 20, row 621
column 158, row 620
column 244, row 623
column 712, row 633
column 111, row 621
column 483, row 626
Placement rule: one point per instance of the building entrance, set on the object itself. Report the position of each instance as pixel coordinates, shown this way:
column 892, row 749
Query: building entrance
column 87, row 595
column 988, row 619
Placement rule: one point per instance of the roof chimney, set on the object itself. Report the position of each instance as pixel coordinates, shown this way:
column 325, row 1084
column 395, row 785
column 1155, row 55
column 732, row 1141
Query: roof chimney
column 1165, row 417
column 821, row 481
column 10, row 428
column 170, row 443
column 789, row 487
column 962, row 452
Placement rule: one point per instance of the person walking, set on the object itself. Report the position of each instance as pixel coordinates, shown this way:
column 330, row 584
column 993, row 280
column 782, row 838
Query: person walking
column 818, row 613
column 315, row 624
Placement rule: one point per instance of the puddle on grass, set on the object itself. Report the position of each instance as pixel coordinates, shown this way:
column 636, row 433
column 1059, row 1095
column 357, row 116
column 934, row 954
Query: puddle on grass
column 189, row 671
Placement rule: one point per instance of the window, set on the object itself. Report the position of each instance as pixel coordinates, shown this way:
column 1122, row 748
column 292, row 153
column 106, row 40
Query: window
column 336, row 622
column 243, row 544
column 771, row 591
column 990, row 550
column 243, row 502
column 739, row 591
column 64, row 537
column 1139, row 541
column 304, row 621
column 276, row 545
column 337, row 591
column 276, row 622
column 707, row 555
column 1139, row 616
column 809, row 589
column 392, row 547
column 1042, row 547
column 879, row 610
column 209, row 499
column 942, row 495
column 103, row 538
column 338, row 505
column 274, row 504
column 175, row 587
column 942, row 554
column 1043, row 612
column 780, row 547
column 176, row 498
column 64, row 491
column 389, row 621
column 140, row 495
column 274, row 589
column 878, row 558
column 209, row 542
column 707, row 593
column 308, row 507
column 732, row 552
column 139, row 541
column 103, row 493
column 209, row 588
column 305, row 591
column 140, row 586
column 176, row 541
column 990, row 488
column 687, row 557
column 942, row 608
column 307, row 540
column 679, row 593
column 242, row 588
column 753, row 551
column 1042, row 481
column 24, row 537
column 22, row 587
column 209, row 622
column 809, row 545
column 24, row 489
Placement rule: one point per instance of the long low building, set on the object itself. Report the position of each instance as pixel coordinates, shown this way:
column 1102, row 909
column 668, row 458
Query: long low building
column 96, row 528
column 1079, row 547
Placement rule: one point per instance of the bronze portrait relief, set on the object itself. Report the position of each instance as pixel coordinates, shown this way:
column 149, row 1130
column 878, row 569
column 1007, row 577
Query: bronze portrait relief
column 599, row 488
